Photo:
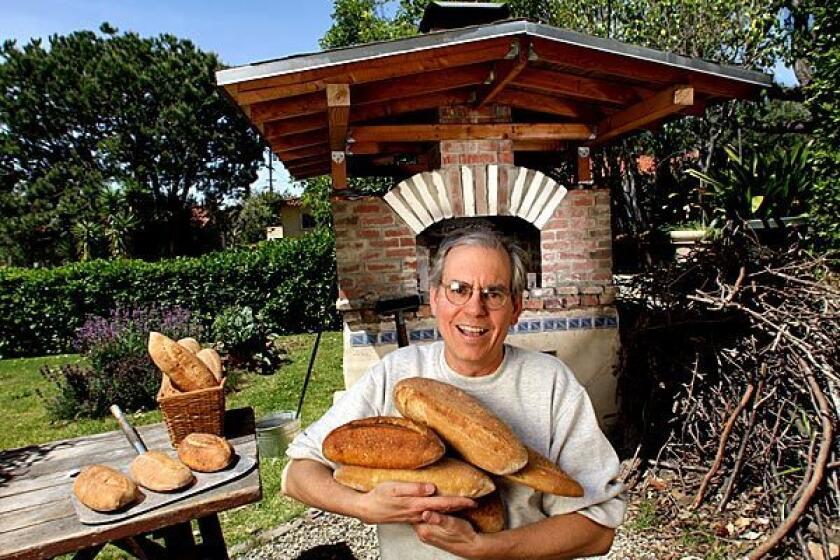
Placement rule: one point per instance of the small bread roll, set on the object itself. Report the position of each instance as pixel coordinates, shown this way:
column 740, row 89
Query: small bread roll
column 205, row 452
column 383, row 442
column 463, row 423
column 213, row 362
column 488, row 516
column 158, row 471
column 190, row 344
column 104, row 489
column 450, row 477
column 186, row 371
column 544, row 476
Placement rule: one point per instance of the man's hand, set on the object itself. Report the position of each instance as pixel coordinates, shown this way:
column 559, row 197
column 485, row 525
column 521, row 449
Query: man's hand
column 405, row 502
column 451, row 534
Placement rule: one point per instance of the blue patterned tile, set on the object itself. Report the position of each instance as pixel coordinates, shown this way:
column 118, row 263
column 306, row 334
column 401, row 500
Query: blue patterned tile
column 575, row 323
column 552, row 324
column 599, row 322
column 427, row 334
column 586, row 322
column 388, row 337
column 612, row 322
column 415, row 336
column 362, row 339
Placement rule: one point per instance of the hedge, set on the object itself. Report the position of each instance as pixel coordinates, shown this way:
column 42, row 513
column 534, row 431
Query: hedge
column 289, row 283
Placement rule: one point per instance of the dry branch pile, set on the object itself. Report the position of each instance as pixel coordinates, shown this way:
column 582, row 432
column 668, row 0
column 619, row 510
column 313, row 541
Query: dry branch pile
column 731, row 377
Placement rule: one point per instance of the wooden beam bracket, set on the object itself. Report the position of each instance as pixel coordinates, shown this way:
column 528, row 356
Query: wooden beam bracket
column 504, row 71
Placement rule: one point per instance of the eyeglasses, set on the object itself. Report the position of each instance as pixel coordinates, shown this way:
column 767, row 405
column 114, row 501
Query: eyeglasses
column 459, row 293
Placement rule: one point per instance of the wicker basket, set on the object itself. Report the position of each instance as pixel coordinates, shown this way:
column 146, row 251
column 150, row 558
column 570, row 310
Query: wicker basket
column 195, row 411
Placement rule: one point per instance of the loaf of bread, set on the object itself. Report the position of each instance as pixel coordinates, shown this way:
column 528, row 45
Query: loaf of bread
column 190, row 344
column 205, row 452
column 186, row 371
column 213, row 362
column 104, row 489
column 383, row 442
column 544, row 476
column 450, row 477
column 488, row 516
column 158, row 471
column 463, row 423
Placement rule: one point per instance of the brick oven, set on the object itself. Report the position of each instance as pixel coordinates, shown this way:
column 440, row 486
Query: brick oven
column 384, row 246
column 473, row 123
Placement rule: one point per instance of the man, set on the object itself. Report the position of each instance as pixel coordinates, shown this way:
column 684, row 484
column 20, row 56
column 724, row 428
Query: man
column 477, row 283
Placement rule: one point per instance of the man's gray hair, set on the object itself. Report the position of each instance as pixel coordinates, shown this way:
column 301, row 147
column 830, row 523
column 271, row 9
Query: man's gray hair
column 491, row 240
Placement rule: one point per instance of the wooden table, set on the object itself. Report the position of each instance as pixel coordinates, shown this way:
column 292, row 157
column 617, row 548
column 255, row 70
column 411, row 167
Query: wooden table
column 37, row 519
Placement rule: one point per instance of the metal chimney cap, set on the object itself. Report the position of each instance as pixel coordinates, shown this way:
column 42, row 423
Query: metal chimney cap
column 441, row 14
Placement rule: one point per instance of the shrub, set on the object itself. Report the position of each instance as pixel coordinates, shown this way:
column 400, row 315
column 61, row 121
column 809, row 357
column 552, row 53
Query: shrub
column 289, row 285
column 120, row 370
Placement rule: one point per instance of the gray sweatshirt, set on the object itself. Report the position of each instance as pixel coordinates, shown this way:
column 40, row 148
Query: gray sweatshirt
column 535, row 394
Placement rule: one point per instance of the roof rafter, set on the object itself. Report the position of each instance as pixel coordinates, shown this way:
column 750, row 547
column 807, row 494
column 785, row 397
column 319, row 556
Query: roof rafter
column 504, row 71
column 667, row 102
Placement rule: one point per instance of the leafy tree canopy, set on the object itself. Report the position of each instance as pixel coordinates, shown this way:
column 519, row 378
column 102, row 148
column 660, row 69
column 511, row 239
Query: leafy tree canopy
column 97, row 112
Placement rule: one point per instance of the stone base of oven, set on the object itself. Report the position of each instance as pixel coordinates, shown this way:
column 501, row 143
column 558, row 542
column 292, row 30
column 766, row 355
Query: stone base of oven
column 589, row 346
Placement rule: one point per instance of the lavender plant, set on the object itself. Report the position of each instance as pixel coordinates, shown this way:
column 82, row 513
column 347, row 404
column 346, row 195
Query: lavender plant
column 120, row 370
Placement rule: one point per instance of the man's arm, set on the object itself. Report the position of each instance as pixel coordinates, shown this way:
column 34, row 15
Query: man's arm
column 562, row 536
column 312, row 483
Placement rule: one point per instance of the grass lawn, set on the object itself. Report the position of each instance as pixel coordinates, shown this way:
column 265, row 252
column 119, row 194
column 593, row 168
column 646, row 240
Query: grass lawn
column 25, row 420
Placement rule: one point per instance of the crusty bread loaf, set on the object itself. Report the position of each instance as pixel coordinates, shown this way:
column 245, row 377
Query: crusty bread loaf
column 213, row 362
column 544, row 476
column 166, row 388
column 158, row 471
column 186, row 371
column 205, row 452
column 450, row 477
column 463, row 423
column 383, row 442
column 488, row 515
column 190, row 344
column 105, row 489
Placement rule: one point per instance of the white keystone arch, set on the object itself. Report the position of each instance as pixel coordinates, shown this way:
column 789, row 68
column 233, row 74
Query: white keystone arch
column 426, row 198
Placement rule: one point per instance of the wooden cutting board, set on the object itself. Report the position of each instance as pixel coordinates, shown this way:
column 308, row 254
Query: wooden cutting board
column 150, row 500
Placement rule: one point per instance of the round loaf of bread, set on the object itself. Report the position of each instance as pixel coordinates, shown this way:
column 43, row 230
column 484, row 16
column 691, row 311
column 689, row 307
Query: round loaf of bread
column 213, row 362
column 488, row 515
column 544, row 476
column 158, row 471
column 190, row 344
column 104, row 489
column 383, row 442
column 450, row 477
column 205, row 452
column 463, row 423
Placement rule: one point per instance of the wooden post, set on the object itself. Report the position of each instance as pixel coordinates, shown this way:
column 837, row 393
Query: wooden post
column 338, row 115
column 584, row 166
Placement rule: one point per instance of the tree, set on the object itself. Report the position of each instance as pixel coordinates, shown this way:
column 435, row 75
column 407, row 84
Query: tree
column 100, row 111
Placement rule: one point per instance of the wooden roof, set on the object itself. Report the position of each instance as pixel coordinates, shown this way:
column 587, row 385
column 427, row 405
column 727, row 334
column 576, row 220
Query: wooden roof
column 372, row 109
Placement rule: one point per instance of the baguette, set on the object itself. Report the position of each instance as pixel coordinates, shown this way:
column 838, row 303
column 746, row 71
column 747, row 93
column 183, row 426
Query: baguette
column 544, row 476
column 104, row 489
column 383, row 442
column 450, row 477
column 213, row 362
column 187, row 372
column 488, row 516
column 463, row 423
column 158, row 471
